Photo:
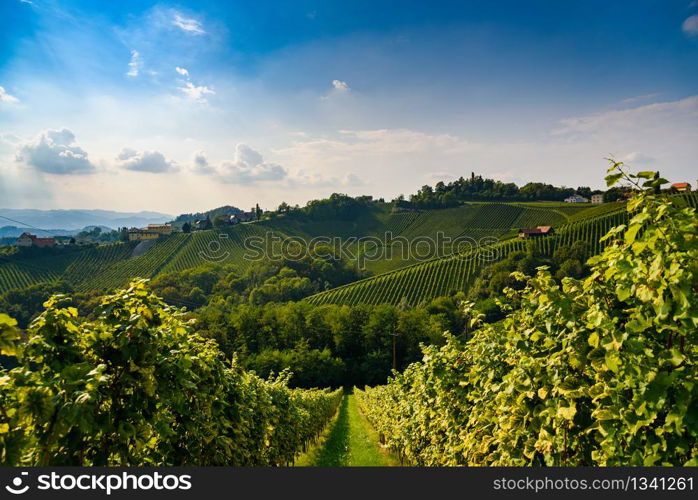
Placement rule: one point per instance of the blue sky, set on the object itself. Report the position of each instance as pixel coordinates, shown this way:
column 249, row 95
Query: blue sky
column 183, row 106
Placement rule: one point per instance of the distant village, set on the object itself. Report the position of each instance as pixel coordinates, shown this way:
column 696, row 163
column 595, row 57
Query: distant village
column 150, row 232
column 154, row 231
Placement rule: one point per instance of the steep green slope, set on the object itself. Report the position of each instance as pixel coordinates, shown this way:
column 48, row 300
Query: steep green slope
column 424, row 281
column 143, row 266
column 218, row 246
column 71, row 264
column 21, row 275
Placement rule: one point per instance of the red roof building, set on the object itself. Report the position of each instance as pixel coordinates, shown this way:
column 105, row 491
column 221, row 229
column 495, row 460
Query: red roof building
column 31, row 240
column 535, row 232
column 681, row 186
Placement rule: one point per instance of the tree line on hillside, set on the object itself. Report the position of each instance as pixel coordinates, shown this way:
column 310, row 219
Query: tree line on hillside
column 443, row 195
column 477, row 188
column 340, row 206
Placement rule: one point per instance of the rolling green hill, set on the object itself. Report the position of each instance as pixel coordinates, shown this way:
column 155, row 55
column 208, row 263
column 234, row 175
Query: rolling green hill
column 427, row 280
column 109, row 266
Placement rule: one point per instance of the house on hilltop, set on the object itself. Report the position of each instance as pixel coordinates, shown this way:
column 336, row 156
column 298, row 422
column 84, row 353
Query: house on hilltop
column 165, row 229
column 681, row 187
column 242, row 217
column 575, row 198
column 536, row 232
column 136, row 234
column 31, row 240
column 202, row 224
column 597, row 199
column 151, row 232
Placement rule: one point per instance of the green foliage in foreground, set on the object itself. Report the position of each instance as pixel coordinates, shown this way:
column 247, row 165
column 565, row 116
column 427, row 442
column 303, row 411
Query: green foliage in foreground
column 600, row 371
column 137, row 386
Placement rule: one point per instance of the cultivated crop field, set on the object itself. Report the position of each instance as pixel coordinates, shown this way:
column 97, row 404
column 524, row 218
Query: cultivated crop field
column 424, row 281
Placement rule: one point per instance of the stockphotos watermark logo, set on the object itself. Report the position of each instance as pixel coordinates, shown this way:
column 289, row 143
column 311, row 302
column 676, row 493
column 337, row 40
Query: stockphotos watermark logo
column 275, row 247
column 98, row 483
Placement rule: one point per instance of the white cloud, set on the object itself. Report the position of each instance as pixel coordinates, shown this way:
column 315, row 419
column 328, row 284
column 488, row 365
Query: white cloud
column 652, row 125
column 636, row 157
column 201, row 164
column 144, row 161
column 55, row 152
column 690, row 25
column 189, row 25
column 135, row 65
column 196, row 92
column 8, row 139
column 395, row 160
column 247, row 167
column 182, row 71
column 378, row 143
column 390, row 159
column 313, row 180
column 5, row 97
column 340, row 85
column 639, row 98
column 661, row 133
column 645, row 119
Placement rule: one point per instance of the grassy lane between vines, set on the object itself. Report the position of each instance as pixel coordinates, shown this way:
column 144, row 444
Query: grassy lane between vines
column 349, row 442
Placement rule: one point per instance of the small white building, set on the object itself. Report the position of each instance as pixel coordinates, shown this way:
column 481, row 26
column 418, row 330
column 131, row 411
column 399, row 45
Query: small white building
column 575, row 198
column 597, row 199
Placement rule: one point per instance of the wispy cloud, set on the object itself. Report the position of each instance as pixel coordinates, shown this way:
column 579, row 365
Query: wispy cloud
column 182, row 71
column 644, row 118
column 639, row 98
column 196, row 92
column 135, row 64
column 380, row 141
column 5, row 97
column 690, row 26
column 302, row 179
column 189, row 25
column 636, row 157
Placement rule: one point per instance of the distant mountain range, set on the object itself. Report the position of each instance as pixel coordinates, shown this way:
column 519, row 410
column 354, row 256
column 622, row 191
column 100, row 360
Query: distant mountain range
column 15, row 231
column 62, row 221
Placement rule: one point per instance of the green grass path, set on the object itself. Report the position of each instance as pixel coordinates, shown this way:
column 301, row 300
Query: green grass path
column 351, row 442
